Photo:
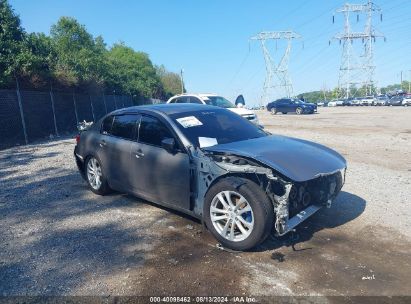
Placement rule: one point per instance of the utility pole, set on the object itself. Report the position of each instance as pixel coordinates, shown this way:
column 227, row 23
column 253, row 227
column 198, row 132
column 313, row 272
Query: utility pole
column 279, row 70
column 351, row 64
column 401, row 80
column 182, row 81
column 409, row 83
column 324, row 89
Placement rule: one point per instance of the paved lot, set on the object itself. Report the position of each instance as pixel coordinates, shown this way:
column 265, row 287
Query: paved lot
column 58, row 238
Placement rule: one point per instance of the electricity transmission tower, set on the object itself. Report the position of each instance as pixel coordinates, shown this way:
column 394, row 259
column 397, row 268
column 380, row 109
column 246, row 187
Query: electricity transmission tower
column 357, row 70
column 280, row 70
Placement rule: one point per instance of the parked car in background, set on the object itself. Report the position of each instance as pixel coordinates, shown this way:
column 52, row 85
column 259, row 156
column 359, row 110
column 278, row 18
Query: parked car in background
column 240, row 181
column 367, row 100
column 340, row 102
column 395, row 101
column 291, row 105
column 215, row 100
column 356, row 101
column 381, row 100
column 332, row 103
column 347, row 102
column 406, row 101
column 323, row 103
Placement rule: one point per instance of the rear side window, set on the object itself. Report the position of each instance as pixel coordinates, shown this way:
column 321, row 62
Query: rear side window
column 124, row 126
column 195, row 100
column 182, row 100
column 152, row 131
column 106, row 125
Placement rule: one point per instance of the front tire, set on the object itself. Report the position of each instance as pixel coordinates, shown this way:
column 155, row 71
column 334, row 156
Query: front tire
column 273, row 111
column 238, row 213
column 94, row 176
column 299, row 111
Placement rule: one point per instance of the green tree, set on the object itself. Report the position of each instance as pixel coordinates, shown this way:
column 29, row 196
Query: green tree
column 39, row 57
column 170, row 81
column 80, row 56
column 132, row 72
column 11, row 44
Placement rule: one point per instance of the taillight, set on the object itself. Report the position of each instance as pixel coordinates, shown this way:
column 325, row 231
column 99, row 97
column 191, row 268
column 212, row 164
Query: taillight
column 77, row 138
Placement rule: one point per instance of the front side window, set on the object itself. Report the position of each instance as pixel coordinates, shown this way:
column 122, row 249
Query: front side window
column 106, row 125
column 124, row 126
column 152, row 131
column 218, row 101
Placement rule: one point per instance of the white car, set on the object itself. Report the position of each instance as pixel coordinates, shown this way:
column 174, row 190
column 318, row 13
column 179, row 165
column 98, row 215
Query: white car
column 368, row 101
column 406, row 101
column 215, row 100
column 332, row 103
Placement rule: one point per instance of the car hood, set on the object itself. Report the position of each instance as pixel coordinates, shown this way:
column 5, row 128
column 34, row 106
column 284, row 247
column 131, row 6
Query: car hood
column 297, row 159
column 241, row 111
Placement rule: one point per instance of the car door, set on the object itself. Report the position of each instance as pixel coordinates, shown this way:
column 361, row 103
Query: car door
column 284, row 106
column 290, row 106
column 278, row 105
column 116, row 146
column 158, row 175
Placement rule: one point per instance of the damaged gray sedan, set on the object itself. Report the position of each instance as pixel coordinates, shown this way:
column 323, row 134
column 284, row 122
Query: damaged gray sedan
column 208, row 162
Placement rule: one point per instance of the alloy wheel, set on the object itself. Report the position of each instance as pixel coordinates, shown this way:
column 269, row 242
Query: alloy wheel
column 94, row 174
column 232, row 216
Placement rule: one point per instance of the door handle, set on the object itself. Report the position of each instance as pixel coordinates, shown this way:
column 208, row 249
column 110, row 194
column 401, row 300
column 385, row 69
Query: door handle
column 139, row 154
column 103, row 143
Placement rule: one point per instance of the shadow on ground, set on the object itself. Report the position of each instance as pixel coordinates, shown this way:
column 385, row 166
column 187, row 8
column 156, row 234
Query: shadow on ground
column 345, row 208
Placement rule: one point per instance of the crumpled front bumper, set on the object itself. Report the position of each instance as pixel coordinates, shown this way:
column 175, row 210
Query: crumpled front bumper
column 300, row 217
column 284, row 223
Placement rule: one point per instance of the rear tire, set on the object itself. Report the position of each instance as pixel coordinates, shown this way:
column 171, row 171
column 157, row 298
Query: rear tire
column 244, row 220
column 284, row 112
column 299, row 111
column 95, row 178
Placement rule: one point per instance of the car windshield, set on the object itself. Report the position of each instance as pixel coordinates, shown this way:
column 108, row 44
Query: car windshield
column 218, row 101
column 213, row 127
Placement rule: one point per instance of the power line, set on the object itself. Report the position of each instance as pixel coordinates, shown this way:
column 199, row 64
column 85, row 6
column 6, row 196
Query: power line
column 240, row 66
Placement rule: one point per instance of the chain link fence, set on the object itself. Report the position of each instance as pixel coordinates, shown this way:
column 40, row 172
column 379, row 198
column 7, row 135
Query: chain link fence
column 26, row 116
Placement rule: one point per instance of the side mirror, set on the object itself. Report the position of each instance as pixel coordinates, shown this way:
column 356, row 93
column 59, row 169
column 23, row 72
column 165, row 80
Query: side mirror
column 169, row 145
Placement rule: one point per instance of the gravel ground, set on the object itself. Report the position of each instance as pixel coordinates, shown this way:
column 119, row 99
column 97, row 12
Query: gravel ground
column 58, row 238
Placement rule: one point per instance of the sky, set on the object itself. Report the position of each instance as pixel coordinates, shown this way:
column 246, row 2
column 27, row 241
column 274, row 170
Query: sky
column 210, row 39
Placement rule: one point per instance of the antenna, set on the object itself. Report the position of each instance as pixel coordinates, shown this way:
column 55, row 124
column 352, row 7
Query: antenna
column 279, row 70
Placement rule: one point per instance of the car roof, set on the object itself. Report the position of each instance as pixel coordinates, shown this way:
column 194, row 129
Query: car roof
column 200, row 95
column 166, row 109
